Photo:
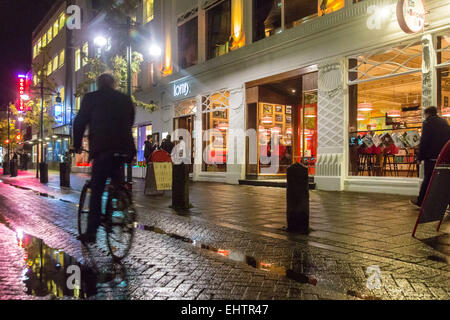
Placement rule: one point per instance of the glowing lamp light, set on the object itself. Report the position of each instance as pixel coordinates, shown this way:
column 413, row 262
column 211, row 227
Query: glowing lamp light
column 266, row 120
column 100, row 41
column 276, row 130
column 366, row 106
column 361, row 117
column 20, row 119
column 394, row 113
column 223, row 126
column 25, row 97
column 155, row 50
column 446, row 112
column 224, row 253
column 289, row 131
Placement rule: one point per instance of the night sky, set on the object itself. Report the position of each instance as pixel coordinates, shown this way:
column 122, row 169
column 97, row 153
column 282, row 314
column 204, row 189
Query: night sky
column 18, row 19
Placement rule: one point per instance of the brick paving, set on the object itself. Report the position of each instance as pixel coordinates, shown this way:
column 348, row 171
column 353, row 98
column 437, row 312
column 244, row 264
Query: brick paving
column 350, row 232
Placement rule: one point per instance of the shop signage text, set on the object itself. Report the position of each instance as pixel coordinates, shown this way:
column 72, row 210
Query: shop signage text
column 411, row 15
column 182, row 89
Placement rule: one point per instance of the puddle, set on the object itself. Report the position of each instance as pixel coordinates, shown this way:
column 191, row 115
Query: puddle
column 239, row 257
column 49, row 271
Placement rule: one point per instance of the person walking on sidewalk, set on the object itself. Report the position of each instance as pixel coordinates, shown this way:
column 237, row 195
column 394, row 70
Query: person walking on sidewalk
column 109, row 115
column 435, row 135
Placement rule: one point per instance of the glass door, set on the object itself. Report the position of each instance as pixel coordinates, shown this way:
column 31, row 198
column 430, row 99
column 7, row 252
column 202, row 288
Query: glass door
column 186, row 123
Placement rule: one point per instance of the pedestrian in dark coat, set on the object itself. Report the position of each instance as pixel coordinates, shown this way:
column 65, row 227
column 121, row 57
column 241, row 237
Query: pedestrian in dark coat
column 149, row 147
column 435, row 135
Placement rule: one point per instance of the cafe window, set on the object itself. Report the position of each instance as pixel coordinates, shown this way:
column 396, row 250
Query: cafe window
column 188, row 43
column 215, row 131
column 443, row 72
column 218, row 29
column 385, row 111
column 266, row 18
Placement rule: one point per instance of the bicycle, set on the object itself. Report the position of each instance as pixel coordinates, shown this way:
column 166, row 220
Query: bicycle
column 118, row 216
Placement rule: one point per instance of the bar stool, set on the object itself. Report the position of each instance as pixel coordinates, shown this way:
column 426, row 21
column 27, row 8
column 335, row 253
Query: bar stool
column 390, row 160
column 366, row 163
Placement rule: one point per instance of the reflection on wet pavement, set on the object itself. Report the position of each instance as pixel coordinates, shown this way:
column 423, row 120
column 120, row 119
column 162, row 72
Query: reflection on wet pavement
column 49, row 271
column 240, row 257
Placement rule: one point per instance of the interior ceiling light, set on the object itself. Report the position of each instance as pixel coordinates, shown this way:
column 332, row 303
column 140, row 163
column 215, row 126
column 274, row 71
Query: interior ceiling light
column 394, row 113
column 366, row 106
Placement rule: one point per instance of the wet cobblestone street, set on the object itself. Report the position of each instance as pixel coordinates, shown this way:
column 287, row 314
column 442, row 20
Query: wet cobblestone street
column 231, row 245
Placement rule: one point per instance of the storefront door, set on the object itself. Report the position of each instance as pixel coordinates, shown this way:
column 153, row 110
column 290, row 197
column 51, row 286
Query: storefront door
column 186, row 123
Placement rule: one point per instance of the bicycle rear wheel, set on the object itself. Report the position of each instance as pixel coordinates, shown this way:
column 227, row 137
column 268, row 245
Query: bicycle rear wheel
column 121, row 218
column 83, row 209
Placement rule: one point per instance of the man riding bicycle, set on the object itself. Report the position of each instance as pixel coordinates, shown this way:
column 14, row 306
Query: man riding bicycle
column 109, row 115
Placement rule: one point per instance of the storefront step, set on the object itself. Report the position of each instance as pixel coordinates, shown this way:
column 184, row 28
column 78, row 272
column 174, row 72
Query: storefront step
column 279, row 183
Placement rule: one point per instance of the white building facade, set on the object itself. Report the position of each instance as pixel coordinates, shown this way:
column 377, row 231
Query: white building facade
column 343, row 86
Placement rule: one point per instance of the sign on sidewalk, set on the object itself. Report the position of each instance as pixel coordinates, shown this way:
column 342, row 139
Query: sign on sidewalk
column 159, row 173
column 437, row 198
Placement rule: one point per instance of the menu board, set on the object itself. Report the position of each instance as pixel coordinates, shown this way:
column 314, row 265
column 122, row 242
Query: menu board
column 163, row 175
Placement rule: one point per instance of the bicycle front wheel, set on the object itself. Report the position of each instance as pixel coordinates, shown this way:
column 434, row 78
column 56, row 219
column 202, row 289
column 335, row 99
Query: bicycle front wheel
column 83, row 209
column 121, row 218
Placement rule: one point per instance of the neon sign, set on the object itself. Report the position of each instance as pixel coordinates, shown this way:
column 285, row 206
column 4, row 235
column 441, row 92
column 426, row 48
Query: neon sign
column 23, row 89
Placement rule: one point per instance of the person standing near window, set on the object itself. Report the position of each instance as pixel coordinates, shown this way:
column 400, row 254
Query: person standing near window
column 149, row 148
column 435, row 135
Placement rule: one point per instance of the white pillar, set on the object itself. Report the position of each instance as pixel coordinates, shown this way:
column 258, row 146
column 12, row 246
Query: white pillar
column 330, row 168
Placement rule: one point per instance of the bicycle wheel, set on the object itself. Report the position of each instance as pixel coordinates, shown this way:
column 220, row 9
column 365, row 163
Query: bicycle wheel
column 83, row 209
column 121, row 217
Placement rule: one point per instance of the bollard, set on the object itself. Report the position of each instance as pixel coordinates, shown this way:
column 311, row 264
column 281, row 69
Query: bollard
column 64, row 174
column 180, row 186
column 6, row 168
column 13, row 168
column 297, row 199
column 43, row 172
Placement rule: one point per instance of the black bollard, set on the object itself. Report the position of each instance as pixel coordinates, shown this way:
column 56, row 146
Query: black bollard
column 64, row 175
column 180, row 186
column 6, row 168
column 298, row 199
column 43, row 172
column 13, row 168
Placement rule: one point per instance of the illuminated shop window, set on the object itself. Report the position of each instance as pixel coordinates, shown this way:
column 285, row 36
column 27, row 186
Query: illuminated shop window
column 218, row 29
column 55, row 28
column 85, row 53
column 267, row 18
column 55, row 63
column 49, row 35
column 443, row 72
column 188, row 43
column 49, row 68
column 385, row 115
column 148, row 10
column 61, row 58
column 62, row 21
column 275, row 122
column 215, row 129
column 77, row 59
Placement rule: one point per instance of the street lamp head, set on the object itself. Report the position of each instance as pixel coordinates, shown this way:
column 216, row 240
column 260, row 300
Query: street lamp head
column 100, row 41
column 20, row 119
column 155, row 50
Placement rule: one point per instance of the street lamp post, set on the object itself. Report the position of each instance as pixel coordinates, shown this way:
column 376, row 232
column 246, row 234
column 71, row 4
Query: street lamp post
column 155, row 51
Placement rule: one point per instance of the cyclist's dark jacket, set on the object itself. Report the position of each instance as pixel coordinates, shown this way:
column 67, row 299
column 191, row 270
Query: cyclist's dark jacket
column 109, row 115
column 435, row 134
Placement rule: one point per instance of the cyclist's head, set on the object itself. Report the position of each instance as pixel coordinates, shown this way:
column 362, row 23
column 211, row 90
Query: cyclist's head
column 105, row 81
